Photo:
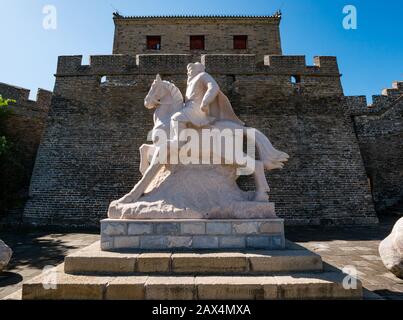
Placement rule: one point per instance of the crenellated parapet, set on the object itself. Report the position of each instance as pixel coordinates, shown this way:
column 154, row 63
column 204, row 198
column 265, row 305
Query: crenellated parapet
column 379, row 130
column 215, row 63
column 162, row 63
column 395, row 91
column 358, row 105
column 25, row 124
column 21, row 95
column 285, row 74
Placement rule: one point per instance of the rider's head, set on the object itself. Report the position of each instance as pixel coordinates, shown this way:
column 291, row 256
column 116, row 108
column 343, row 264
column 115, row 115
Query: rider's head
column 195, row 68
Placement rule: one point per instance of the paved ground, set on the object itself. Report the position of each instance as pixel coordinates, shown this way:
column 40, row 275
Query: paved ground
column 357, row 247
column 35, row 250
column 339, row 247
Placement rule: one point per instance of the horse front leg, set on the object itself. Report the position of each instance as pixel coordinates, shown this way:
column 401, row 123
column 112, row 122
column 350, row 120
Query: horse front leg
column 146, row 152
column 136, row 192
column 144, row 182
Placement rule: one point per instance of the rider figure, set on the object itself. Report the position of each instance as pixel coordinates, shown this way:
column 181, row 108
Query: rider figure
column 204, row 102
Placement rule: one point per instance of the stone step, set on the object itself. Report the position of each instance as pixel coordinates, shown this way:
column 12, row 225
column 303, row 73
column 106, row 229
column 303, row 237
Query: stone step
column 92, row 260
column 327, row 285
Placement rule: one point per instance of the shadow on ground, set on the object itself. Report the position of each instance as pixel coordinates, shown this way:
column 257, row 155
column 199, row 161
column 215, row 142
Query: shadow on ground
column 9, row 279
column 36, row 249
column 352, row 233
column 389, row 294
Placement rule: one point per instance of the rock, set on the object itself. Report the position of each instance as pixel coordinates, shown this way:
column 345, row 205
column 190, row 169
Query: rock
column 194, row 192
column 5, row 255
column 391, row 250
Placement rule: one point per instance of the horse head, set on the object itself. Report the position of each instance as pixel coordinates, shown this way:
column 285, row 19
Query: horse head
column 158, row 94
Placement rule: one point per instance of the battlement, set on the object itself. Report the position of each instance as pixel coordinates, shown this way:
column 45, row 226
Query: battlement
column 102, row 65
column 358, row 105
column 395, row 91
column 14, row 92
column 21, row 95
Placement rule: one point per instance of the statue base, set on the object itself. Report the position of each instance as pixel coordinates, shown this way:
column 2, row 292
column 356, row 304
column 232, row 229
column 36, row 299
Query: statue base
column 194, row 192
column 128, row 234
column 289, row 274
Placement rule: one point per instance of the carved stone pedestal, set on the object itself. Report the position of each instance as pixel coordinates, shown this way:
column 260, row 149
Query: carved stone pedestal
column 192, row 234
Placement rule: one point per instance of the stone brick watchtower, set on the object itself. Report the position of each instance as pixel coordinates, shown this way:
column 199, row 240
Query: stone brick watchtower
column 196, row 35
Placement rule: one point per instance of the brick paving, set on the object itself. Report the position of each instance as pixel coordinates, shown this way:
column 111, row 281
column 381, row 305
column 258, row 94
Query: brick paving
column 35, row 250
column 357, row 247
column 339, row 247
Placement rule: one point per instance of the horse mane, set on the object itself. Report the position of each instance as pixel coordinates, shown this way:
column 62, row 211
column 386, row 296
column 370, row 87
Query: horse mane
column 176, row 95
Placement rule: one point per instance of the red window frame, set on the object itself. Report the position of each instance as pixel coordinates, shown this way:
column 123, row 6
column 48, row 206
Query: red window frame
column 196, row 42
column 153, row 42
column 240, row 42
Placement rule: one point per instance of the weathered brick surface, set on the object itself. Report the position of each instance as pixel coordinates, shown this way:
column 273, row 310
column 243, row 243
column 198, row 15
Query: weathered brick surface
column 89, row 155
column 24, row 126
column 379, row 129
column 263, row 34
column 26, row 122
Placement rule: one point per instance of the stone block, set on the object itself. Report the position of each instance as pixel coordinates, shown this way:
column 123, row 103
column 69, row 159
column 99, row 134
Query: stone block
column 193, row 228
column 205, row 242
column 270, row 288
column 277, row 242
column 271, row 227
column 219, row 228
column 245, row 227
column 321, row 286
column 229, row 288
column 232, row 242
column 258, row 242
column 67, row 287
column 153, row 262
column 114, row 229
column 140, row 228
column 127, row 242
column 126, row 288
column 170, row 288
column 284, row 261
column 98, row 264
column 107, row 243
column 153, row 242
column 179, row 242
column 169, row 228
column 215, row 262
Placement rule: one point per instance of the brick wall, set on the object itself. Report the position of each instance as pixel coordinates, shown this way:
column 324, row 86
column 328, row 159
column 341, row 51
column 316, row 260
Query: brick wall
column 89, row 152
column 263, row 34
column 379, row 128
column 24, row 126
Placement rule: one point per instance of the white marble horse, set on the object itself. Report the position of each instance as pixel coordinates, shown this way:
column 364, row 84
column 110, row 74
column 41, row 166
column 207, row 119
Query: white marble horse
column 167, row 99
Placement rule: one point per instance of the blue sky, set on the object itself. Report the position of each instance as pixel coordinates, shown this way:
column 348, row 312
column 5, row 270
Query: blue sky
column 370, row 57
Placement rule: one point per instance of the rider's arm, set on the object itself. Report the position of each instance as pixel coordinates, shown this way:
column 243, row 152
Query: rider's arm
column 211, row 92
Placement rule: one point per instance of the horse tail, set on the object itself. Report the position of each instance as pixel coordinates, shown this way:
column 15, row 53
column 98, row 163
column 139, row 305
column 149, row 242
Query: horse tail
column 270, row 156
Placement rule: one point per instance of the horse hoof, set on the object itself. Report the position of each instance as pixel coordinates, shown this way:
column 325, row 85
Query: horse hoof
column 113, row 213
